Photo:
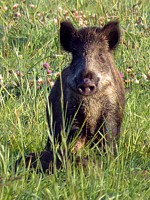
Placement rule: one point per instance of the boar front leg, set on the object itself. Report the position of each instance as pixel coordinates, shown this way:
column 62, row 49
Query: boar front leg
column 112, row 127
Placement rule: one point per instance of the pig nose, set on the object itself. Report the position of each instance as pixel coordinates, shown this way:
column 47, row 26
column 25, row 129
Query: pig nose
column 88, row 84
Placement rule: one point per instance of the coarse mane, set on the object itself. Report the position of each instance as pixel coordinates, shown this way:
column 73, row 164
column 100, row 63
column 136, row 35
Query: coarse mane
column 90, row 35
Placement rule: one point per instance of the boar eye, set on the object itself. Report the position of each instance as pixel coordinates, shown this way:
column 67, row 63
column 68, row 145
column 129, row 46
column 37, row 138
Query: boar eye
column 102, row 59
column 84, row 54
column 74, row 52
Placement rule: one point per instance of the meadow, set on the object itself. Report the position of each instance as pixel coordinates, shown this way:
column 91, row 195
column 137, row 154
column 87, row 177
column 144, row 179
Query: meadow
column 31, row 58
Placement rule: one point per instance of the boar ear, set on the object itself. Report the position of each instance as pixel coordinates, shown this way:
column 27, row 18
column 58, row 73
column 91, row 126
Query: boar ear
column 67, row 31
column 112, row 33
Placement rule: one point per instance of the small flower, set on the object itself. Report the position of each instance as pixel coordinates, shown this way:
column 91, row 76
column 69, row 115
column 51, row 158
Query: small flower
column 1, row 80
column 94, row 15
column 49, row 71
column 60, row 9
column 46, row 65
column 18, row 14
column 144, row 77
column 15, row 6
column 129, row 70
column 38, row 87
column 85, row 22
column 40, row 81
column 5, row 8
column 19, row 73
column 121, row 75
column 136, row 81
column 32, row 6
column 67, row 17
column 39, row 14
column 81, row 22
column 55, row 21
column 81, row 12
column 76, row 14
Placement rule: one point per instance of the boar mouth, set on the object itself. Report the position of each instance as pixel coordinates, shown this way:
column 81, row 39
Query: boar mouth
column 87, row 90
column 83, row 89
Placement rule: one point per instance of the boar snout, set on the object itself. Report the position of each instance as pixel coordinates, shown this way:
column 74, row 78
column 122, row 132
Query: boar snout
column 87, row 83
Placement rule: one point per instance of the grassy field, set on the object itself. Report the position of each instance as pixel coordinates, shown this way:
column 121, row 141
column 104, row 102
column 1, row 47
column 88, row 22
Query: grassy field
column 29, row 34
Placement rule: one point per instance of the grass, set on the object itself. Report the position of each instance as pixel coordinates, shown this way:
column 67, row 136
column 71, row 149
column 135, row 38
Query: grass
column 29, row 34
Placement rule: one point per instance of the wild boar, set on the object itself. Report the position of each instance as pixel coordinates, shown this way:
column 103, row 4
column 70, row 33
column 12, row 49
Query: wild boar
column 87, row 101
column 89, row 96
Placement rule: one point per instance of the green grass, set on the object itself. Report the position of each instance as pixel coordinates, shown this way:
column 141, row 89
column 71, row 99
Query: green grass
column 32, row 39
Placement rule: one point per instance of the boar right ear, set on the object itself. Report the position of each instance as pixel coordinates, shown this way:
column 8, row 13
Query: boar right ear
column 67, row 31
column 112, row 33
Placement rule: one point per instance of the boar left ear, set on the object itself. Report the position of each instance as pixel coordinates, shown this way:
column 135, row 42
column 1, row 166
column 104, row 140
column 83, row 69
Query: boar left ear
column 112, row 33
column 67, row 31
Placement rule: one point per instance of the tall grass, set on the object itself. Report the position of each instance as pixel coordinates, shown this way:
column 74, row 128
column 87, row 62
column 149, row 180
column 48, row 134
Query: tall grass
column 29, row 34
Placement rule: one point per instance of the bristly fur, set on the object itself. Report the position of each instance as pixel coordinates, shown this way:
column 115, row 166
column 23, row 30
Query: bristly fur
column 90, row 35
